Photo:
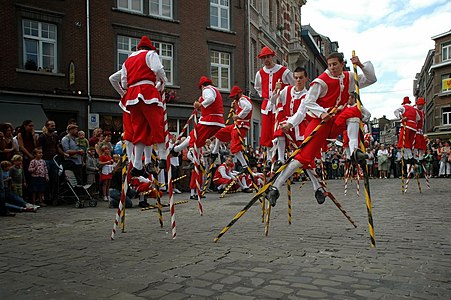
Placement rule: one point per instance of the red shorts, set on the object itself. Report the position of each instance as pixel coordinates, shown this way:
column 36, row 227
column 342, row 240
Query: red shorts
column 204, row 132
column 229, row 133
column 410, row 136
column 147, row 123
column 127, row 125
column 267, row 130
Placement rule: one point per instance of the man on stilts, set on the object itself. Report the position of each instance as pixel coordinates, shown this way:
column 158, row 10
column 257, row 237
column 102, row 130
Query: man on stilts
column 420, row 142
column 327, row 93
column 265, row 85
column 140, row 74
column 409, row 117
column 210, row 122
column 242, row 116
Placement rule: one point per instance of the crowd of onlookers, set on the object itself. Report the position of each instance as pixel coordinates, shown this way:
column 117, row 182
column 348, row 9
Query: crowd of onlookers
column 31, row 163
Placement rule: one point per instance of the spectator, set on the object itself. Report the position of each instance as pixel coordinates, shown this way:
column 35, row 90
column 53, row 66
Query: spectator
column 12, row 201
column 105, row 141
column 428, row 158
column 445, row 167
column 370, row 161
column 96, row 134
column 49, row 143
column 116, row 189
column 106, row 164
column 39, row 177
column 64, row 133
column 17, row 176
column 92, row 166
column 73, row 155
column 382, row 158
column 8, row 148
column 82, row 141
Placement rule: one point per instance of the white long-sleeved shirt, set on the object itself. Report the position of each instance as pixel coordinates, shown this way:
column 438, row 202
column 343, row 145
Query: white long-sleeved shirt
column 319, row 90
column 208, row 96
column 246, row 107
column 115, row 80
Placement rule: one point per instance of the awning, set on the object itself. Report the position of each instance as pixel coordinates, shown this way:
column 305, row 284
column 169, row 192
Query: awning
column 17, row 113
column 439, row 134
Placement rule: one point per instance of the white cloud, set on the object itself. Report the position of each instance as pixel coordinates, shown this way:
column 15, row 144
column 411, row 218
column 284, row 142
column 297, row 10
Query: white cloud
column 394, row 35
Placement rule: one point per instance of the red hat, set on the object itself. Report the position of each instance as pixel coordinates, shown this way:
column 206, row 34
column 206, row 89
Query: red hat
column 203, row 80
column 420, row 101
column 406, row 100
column 235, row 91
column 145, row 42
column 266, row 51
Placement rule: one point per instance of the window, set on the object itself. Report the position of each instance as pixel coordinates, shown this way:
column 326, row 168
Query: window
column 446, row 51
column 446, row 116
column 161, row 8
column 446, row 83
column 220, row 69
column 166, row 53
column 126, row 45
column 131, row 5
column 219, row 14
column 39, row 41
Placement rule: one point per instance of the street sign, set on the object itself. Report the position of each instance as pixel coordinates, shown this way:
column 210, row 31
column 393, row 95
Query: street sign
column 93, row 121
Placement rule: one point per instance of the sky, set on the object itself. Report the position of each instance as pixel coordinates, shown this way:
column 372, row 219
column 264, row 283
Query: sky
column 395, row 35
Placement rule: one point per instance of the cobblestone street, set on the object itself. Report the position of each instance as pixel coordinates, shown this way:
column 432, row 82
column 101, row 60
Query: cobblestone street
column 66, row 253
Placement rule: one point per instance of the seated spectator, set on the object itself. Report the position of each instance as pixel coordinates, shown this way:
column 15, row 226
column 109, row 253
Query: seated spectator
column 116, row 189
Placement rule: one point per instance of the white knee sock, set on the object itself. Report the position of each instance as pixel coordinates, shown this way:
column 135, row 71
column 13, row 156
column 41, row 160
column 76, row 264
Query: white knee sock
column 139, row 150
column 147, row 154
column 183, row 145
column 161, row 148
column 193, row 192
column 216, row 147
column 287, row 172
column 240, row 157
column 281, row 145
column 313, row 177
column 129, row 150
column 353, row 134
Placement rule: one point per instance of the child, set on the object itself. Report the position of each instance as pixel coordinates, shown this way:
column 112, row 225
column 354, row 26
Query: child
column 17, row 175
column 82, row 141
column 106, row 164
column 92, row 166
column 39, row 177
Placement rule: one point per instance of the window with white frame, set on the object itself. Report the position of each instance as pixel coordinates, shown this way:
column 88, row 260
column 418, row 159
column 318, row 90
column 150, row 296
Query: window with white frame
column 161, row 8
column 446, row 116
column 125, row 47
column 39, row 46
column 446, row 51
column 220, row 69
column 131, row 5
column 220, row 14
column 166, row 53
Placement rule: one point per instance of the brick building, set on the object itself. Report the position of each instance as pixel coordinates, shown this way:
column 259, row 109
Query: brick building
column 63, row 52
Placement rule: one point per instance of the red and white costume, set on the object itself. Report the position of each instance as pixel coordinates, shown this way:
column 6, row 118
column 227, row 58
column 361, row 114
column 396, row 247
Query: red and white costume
column 224, row 175
column 289, row 102
column 326, row 92
column 243, row 109
column 265, row 82
column 140, row 74
column 408, row 127
column 420, row 142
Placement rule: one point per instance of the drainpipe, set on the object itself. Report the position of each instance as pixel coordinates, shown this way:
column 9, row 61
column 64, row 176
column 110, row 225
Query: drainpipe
column 88, row 58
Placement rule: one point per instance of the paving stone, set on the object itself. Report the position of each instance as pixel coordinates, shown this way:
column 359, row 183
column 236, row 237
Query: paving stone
column 198, row 292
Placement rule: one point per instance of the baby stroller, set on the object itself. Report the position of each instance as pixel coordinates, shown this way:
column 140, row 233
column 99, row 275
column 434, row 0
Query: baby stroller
column 68, row 188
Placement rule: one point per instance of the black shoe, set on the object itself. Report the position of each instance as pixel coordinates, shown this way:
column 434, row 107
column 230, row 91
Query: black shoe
column 272, row 195
column 214, row 156
column 359, row 156
column 193, row 197
column 247, row 190
column 143, row 204
column 162, row 164
column 320, row 197
column 150, row 169
column 136, row 173
column 277, row 166
column 220, row 191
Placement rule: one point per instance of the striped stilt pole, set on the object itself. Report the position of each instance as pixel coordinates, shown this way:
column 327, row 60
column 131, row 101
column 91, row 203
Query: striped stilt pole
column 196, row 166
column 402, row 155
column 426, row 176
column 417, row 175
column 185, row 127
column 265, row 187
column 227, row 189
column 164, row 205
column 364, row 167
column 169, row 171
column 157, row 188
column 120, row 215
column 347, row 174
column 357, row 182
column 289, row 200
column 265, row 179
